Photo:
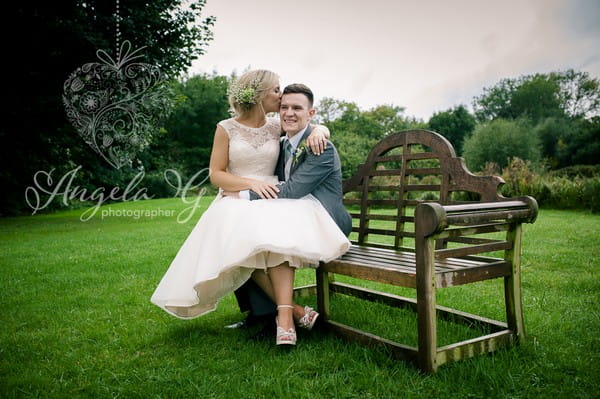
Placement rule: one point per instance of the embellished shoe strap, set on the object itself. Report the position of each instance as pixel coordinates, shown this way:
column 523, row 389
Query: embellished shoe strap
column 307, row 320
column 285, row 306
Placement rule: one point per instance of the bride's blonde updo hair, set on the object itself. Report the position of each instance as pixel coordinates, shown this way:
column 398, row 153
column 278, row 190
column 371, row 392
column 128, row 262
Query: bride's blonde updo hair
column 250, row 89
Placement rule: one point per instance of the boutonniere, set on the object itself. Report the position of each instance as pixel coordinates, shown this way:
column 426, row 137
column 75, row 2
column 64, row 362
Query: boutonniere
column 302, row 148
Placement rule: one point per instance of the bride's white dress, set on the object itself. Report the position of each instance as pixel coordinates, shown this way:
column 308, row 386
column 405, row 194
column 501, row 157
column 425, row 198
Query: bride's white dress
column 236, row 236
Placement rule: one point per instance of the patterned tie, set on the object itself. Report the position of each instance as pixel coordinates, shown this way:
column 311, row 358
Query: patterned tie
column 287, row 146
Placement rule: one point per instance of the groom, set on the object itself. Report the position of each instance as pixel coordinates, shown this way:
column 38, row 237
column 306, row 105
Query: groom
column 301, row 173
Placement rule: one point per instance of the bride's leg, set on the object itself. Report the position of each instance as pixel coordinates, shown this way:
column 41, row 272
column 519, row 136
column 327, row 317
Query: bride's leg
column 282, row 279
column 263, row 280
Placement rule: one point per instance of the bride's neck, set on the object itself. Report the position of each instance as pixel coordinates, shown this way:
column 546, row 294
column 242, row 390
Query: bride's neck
column 255, row 118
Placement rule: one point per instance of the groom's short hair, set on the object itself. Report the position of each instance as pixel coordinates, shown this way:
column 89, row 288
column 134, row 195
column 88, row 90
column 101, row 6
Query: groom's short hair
column 302, row 89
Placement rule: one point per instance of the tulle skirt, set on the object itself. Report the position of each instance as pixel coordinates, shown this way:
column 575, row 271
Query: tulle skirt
column 233, row 238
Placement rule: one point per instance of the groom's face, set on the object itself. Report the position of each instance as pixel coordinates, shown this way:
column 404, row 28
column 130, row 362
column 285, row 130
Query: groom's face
column 295, row 113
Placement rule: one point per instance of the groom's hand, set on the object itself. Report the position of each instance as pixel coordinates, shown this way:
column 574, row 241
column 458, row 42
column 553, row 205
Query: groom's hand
column 264, row 190
column 232, row 194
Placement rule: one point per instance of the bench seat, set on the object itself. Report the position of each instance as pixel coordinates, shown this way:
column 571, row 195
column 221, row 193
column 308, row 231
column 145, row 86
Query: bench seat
column 399, row 267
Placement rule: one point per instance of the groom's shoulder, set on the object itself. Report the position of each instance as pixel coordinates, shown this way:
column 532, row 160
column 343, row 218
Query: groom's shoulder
column 330, row 153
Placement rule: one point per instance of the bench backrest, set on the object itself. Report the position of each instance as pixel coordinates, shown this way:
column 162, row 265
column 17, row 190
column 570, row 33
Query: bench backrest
column 403, row 170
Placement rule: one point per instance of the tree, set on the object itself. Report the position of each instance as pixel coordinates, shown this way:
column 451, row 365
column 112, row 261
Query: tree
column 389, row 118
column 455, row 124
column 580, row 94
column 579, row 143
column 330, row 109
column 351, row 132
column 500, row 140
column 355, row 132
column 536, row 97
column 191, row 127
column 569, row 141
column 539, row 96
column 50, row 40
column 553, row 133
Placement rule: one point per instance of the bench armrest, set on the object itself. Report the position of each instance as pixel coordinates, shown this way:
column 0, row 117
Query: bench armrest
column 432, row 218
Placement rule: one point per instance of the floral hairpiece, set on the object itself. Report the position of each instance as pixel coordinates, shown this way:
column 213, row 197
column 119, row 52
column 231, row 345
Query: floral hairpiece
column 244, row 95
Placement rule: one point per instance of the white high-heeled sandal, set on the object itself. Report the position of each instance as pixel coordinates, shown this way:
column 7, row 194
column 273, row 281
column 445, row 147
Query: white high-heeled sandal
column 309, row 319
column 284, row 337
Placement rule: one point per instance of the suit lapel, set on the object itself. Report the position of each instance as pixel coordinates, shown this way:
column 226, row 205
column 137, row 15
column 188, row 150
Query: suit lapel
column 302, row 140
column 280, row 168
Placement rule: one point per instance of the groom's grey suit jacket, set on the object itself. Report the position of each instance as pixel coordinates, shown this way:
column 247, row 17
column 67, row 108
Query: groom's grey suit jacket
column 319, row 175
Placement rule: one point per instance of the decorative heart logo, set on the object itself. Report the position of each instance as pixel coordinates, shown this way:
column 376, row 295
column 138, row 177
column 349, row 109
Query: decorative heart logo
column 115, row 106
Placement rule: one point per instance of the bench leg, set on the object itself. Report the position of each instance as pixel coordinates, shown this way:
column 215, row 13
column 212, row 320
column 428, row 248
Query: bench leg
column 426, row 313
column 512, row 285
column 323, row 279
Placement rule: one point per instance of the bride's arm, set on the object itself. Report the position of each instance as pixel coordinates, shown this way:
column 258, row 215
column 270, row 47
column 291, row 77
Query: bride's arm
column 219, row 159
column 321, row 129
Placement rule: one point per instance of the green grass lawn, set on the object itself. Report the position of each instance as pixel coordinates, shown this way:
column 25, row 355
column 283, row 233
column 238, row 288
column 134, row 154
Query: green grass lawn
column 76, row 321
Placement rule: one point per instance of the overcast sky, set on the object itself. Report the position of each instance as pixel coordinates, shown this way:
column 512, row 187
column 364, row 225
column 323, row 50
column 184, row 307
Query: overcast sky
column 424, row 55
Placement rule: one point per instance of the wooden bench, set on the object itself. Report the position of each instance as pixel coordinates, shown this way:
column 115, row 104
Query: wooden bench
column 408, row 201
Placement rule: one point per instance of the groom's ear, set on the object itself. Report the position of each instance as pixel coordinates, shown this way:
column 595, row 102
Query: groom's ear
column 311, row 113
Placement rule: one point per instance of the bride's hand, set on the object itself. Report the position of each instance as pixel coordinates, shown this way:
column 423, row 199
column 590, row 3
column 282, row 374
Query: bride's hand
column 317, row 140
column 264, row 190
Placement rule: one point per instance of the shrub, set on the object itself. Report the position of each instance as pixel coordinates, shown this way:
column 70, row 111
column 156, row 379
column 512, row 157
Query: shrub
column 519, row 177
column 550, row 190
column 577, row 171
column 157, row 186
column 591, row 194
column 500, row 140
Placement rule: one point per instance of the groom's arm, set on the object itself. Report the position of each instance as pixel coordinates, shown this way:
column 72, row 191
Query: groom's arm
column 309, row 175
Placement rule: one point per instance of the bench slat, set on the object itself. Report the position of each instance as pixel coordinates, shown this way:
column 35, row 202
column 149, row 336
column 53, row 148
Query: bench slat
column 392, row 218
column 408, row 157
column 474, row 229
column 471, row 240
column 473, row 347
column 381, row 274
column 402, row 187
column 478, row 217
column 402, row 262
column 489, row 205
column 453, row 278
column 408, row 171
column 388, row 202
column 381, row 246
column 399, row 351
column 371, row 202
column 423, row 171
column 474, row 249
column 389, row 232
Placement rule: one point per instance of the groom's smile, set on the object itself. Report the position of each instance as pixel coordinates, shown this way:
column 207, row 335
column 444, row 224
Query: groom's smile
column 295, row 113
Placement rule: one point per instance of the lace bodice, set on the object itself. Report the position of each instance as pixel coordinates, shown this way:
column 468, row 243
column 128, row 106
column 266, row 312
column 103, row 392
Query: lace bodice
column 253, row 152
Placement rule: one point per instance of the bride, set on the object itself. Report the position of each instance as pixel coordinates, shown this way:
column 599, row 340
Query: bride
column 234, row 238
